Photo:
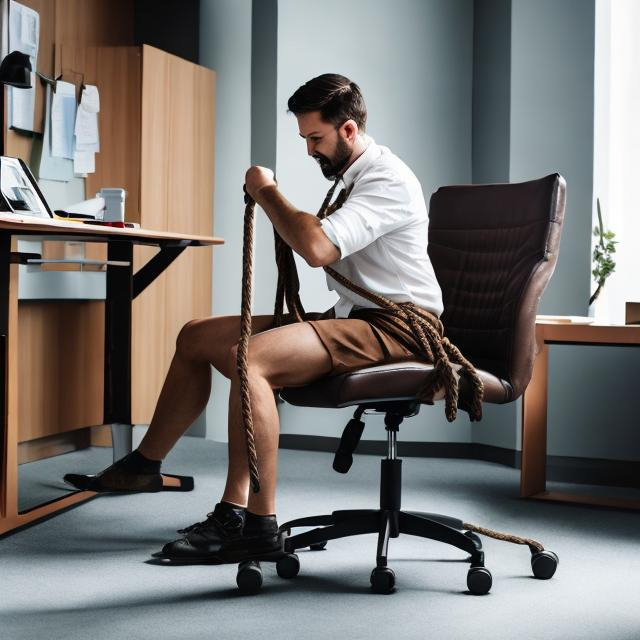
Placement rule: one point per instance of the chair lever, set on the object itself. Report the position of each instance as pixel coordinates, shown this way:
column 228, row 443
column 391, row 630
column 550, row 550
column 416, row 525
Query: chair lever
column 350, row 438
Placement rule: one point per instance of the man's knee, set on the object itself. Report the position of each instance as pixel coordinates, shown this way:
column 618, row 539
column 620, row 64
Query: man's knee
column 187, row 342
column 203, row 339
column 232, row 357
column 255, row 365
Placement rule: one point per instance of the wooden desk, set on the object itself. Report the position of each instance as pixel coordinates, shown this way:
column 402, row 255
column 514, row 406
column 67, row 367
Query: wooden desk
column 534, row 407
column 122, row 287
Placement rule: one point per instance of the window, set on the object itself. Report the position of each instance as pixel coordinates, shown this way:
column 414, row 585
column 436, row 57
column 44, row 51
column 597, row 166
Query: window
column 617, row 148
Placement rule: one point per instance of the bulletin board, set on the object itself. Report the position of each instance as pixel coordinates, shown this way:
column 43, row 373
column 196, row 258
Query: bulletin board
column 69, row 22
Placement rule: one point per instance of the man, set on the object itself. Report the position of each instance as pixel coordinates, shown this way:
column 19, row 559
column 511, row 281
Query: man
column 377, row 239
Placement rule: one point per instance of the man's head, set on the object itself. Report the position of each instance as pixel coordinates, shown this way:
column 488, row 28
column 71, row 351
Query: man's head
column 331, row 113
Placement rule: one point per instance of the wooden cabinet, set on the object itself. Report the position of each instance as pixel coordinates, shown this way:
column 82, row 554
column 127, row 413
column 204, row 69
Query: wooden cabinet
column 159, row 144
column 157, row 141
column 176, row 194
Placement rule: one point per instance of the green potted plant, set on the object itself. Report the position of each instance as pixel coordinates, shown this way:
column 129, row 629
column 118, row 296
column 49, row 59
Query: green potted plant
column 603, row 263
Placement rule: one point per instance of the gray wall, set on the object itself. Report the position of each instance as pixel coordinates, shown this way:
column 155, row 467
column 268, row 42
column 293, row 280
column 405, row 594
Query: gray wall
column 549, row 107
column 552, row 91
column 225, row 46
column 551, row 129
column 491, row 91
column 264, row 85
column 413, row 62
column 482, row 91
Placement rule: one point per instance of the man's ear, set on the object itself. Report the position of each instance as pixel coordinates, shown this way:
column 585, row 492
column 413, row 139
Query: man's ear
column 349, row 130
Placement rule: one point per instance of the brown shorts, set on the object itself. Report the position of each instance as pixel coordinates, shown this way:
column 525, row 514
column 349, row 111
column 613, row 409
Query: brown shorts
column 353, row 343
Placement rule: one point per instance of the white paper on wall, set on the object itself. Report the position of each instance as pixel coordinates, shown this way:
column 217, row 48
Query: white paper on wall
column 84, row 162
column 86, row 128
column 24, row 36
column 52, row 168
column 87, row 137
column 63, row 118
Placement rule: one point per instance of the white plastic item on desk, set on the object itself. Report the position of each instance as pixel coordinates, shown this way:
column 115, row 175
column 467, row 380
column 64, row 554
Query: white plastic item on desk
column 92, row 207
column 113, row 204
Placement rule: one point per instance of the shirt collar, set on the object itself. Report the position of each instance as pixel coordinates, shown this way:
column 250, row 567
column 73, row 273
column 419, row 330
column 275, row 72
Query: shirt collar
column 362, row 162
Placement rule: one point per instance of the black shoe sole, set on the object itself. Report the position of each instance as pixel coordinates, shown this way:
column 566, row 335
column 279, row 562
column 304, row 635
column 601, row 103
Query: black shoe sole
column 90, row 483
column 272, row 552
column 161, row 558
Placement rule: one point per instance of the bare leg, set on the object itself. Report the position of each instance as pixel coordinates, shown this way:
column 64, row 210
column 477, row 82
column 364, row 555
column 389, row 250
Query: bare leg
column 287, row 356
column 187, row 387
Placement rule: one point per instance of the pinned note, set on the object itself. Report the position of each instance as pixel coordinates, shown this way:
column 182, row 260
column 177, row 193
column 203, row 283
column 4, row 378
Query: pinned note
column 52, row 168
column 84, row 162
column 86, row 129
column 87, row 136
column 24, row 36
column 63, row 117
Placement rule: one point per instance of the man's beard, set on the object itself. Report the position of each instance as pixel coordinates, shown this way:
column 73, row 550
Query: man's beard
column 332, row 168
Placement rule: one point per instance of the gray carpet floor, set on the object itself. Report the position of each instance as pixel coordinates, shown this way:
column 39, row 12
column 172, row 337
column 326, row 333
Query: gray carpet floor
column 83, row 574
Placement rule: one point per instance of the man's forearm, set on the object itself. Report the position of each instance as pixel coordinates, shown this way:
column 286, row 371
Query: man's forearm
column 298, row 229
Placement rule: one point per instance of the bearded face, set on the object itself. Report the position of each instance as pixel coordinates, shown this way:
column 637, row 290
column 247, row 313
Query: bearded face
column 329, row 145
column 332, row 165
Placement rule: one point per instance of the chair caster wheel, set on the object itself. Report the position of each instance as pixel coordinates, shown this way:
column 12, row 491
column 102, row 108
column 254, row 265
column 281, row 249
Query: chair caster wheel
column 318, row 546
column 249, row 578
column 382, row 580
column 288, row 566
column 476, row 539
column 479, row 580
column 544, row 564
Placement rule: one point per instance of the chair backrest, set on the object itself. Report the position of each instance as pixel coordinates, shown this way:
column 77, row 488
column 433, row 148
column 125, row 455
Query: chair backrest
column 494, row 248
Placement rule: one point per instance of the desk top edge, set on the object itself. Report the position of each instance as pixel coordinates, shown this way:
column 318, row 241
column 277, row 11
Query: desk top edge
column 21, row 225
column 586, row 333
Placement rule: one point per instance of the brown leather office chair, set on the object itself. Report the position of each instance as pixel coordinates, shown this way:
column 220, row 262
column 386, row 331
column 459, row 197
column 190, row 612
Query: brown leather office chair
column 493, row 248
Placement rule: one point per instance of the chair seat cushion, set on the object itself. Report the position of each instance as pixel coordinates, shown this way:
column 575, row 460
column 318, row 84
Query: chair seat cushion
column 396, row 381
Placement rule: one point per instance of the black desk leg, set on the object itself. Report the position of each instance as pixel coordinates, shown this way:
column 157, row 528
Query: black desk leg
column 117, row 348
column 5, row 271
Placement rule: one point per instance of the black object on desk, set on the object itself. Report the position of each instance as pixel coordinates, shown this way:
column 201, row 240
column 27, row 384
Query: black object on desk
column 15, row 71
column 73, row 216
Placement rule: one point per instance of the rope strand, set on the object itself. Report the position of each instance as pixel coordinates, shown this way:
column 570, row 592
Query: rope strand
column 243, row 344
column 433, row 347
column 506, row 537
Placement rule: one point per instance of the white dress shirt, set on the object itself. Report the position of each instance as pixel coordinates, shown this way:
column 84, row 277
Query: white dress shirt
column 381, row 231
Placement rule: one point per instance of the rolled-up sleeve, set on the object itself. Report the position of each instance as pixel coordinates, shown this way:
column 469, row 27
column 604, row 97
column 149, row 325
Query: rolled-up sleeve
column 377, row 205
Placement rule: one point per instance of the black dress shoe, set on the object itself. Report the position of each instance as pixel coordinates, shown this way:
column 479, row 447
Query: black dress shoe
column 203, row 541
column 253, row 544
column 122, row 477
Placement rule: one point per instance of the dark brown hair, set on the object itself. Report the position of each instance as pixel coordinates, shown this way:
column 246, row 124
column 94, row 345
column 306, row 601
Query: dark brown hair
column 334, row 96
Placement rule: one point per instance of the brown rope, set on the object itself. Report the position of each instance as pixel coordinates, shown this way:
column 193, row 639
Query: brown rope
column 245, row 334
column 288, row 283
column 434, row 347
column 532, row 544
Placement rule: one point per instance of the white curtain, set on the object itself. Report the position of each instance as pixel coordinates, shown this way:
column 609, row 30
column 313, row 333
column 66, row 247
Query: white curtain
column 617, row 148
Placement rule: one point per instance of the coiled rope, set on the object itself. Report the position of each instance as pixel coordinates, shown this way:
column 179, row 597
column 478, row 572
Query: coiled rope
column 434, row 347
